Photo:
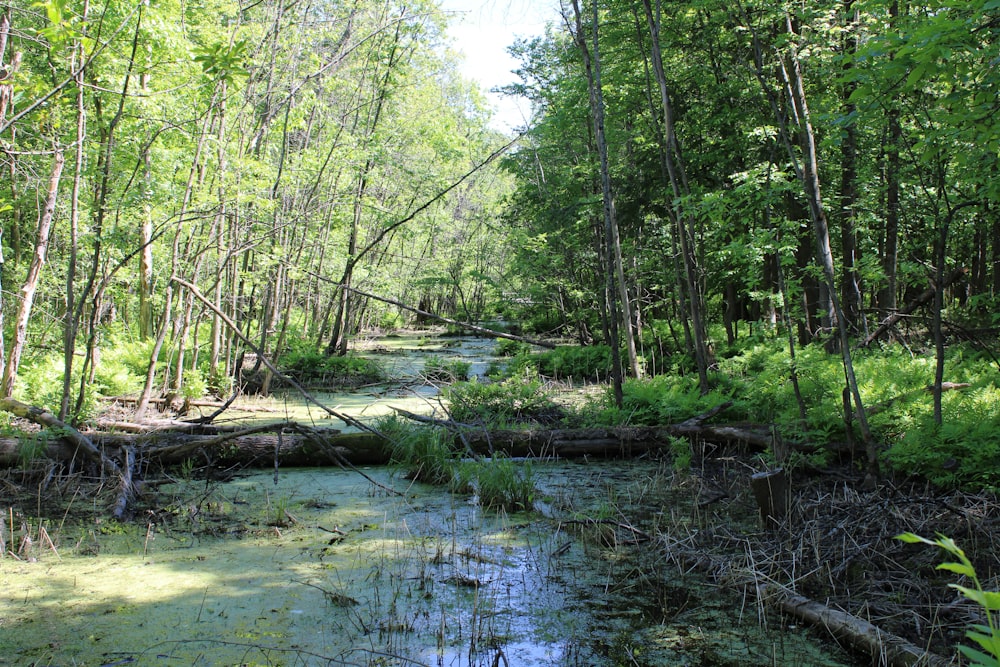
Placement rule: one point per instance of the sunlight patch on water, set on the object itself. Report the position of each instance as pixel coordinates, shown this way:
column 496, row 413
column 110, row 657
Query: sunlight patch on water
column 360, row 576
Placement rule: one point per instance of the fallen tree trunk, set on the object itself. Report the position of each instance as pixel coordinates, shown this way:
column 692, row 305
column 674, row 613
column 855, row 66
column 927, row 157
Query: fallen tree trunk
column 853, row 631
column 447, row 320
column 74, row 438
column 885, row 648
column 247, row 449
column 176, row 442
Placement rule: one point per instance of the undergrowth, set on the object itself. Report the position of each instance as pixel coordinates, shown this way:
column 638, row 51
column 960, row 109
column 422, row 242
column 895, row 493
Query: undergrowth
column 437, row 369
column 756, row 383
column 510, row 402
column 428, row 454
column 310, row 366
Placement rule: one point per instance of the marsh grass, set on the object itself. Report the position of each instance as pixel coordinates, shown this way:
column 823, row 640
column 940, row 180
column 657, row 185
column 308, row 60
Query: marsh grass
column 426, row 454
column 429, row 455
column 498, row 483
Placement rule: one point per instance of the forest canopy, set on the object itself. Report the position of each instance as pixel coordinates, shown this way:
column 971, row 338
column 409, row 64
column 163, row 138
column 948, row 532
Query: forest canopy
column 268, row 154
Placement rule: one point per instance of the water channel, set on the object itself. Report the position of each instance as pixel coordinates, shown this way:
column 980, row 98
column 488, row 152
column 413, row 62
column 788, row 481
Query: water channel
column 323, row 567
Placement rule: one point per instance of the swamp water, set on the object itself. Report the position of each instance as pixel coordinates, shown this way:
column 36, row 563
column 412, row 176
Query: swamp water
column 322, row 567
column 326, row 567
column 404, row 358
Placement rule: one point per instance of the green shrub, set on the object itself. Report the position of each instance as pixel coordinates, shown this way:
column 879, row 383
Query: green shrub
column 308, row 365
column 680, row 450
column 513, row 401
column 437, row 369
column 592, row 362
column 506, row 347
column 194, row 384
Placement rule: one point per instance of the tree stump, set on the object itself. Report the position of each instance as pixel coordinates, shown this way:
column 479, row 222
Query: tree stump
column 770, row 490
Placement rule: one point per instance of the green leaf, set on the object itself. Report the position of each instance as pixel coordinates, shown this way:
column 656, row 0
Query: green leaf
column 978, row 658
column 958, row 568
column 976, row 596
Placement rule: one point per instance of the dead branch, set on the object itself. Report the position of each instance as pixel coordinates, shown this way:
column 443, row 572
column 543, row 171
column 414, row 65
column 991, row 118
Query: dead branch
column 447, row 320
column 66, row 432
column 347, row 419
column 922, row 299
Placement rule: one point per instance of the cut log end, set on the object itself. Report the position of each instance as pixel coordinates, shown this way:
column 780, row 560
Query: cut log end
column 770, row 490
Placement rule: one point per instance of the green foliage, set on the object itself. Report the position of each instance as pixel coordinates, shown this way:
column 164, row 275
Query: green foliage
column 566, row 362
column 680, row 450
column 308, row 365
column 426, row 453
column 499, row 483
column 437, row 369
column 986, row 636
column 516, row 400
column 591, row 362
column 195, row 385
column 506, row 347
column 964, row 451
column 32, row 447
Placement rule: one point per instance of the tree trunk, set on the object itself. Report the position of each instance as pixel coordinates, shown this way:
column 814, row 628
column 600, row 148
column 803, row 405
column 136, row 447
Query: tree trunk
column 70, row 322
column 674, row 166
column 851, row 279
column 810, row 178
column 592, row 68
column 888, row 293
column 31, row 282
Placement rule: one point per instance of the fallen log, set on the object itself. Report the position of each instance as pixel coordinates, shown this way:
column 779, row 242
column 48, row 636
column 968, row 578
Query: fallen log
column 68, row 434
column 171, row 442
column 884, row 647
column 853, row 631
column 616, row 441
column 134, row 400
column 249, row 449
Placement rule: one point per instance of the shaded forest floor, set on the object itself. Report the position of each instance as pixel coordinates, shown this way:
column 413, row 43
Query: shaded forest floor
column 837, row 546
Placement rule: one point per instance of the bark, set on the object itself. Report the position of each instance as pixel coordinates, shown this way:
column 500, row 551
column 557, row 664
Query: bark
column 673, row 165
column 795, row 114
column 937, row 323
column 70, row 322
column 810, row 175
column 884, row 648
column 851, row 279
column 72, row 437
column 34, row 275
column 6, row 96
column 856, row 632
column 592, row 66
column 890, row 262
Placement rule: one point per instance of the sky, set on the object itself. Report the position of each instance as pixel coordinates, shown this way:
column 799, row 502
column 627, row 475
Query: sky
column 482, row 30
